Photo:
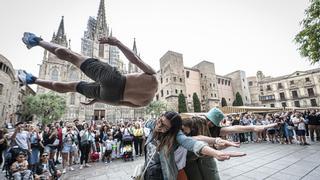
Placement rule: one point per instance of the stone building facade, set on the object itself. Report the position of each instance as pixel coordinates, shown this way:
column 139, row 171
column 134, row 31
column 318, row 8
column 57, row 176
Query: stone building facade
column 225, row 89
column 239, row 84
column 174, row 79
column 9, row 87
column 12, row 96
column 299, row 89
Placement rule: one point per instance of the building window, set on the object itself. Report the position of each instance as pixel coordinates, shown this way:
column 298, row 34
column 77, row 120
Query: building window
column 229, row 99
column 225, row 82
column 268, row 88
column 157, row 97
column 271, row 105
column 203, row 98
column 215, row 95
column 161, row 93
column 282, row 96
column 54, row 75
column 307, row 79
column 1, row 89
column 211, row 95
column 176, row 91
column 161, row 80
column 180, row 79
column 246, row 98
column 294, row 94
column 296, row 103
column 313, row 102
column 218, row 80
column 174, row 79
column 201, row 75
column 210, row 85
column 72, row 99
column 310, row 92
column 222, row 81
column 284, row 104
column 228, row 83
column 181, row 91
column 166, row 80
column 291, row 82
column 167, row 92
column 280, row 86
column 73, row 75
column 187, row 74
column 250, row 83
column 202, row 87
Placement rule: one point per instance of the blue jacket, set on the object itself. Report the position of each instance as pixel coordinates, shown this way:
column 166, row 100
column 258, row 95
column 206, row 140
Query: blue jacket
column 168, row 164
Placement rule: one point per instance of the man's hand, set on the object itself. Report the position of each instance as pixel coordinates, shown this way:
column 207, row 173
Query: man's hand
column 109, row 40
column 222, row 144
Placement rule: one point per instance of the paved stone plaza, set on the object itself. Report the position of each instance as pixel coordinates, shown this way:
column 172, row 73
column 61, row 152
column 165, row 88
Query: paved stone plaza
column 263, row 161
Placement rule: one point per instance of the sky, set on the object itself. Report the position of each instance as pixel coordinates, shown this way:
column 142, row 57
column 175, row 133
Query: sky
column 247, row 35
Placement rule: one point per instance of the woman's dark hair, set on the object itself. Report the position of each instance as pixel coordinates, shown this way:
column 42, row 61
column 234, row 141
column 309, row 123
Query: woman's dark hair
column 169, row 138
column 197, row 125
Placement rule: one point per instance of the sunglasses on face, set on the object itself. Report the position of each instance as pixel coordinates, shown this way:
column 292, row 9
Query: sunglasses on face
column 45, row 155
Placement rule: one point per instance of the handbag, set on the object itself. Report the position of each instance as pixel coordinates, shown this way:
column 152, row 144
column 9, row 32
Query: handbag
column 141, row 169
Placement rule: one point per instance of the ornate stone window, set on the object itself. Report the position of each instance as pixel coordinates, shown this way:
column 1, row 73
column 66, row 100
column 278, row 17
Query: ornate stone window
column 73, row 75
column 54, row 75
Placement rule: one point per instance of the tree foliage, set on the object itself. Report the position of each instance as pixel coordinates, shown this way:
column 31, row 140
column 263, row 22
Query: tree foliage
column 238, row 101
column 308, row 38
column 47, row 107
column 156, row 108
column 196, row 103
column 182, row 106
column 223, row 102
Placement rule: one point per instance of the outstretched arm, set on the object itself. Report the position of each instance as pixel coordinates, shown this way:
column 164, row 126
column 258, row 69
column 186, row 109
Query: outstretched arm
column 132, row 57
column 241, row 129
column 218, row 143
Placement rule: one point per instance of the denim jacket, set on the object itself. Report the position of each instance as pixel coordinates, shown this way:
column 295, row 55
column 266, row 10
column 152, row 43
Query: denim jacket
column 168, row 164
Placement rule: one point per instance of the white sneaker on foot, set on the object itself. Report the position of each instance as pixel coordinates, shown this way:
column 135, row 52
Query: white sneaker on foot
column 64, row 171
column 71, row 169
column 87, row 165
column 81, row 167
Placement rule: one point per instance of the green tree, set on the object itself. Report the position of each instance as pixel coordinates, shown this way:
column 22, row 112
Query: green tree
column 196, row 103
column 182, row 106
column 238, row 101
column 155, row 108
column 48, row 107
column 308, row 38
column 223, row 102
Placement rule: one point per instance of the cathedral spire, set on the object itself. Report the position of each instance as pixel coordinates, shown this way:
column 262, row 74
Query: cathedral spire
column 61, row 28
column 134, row 49
column 101, row 28
column 60, row 38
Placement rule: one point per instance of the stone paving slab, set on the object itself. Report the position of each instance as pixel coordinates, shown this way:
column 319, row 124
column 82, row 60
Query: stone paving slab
column 263, row 162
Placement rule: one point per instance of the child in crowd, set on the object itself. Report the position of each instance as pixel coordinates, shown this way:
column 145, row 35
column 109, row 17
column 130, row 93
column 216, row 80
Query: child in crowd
column 108, row 149
column 20, row 168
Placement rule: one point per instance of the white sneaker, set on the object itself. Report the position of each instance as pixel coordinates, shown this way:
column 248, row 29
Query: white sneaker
column 64, row 171
column 87, row 165
column 81, row 167
column 71, row 169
